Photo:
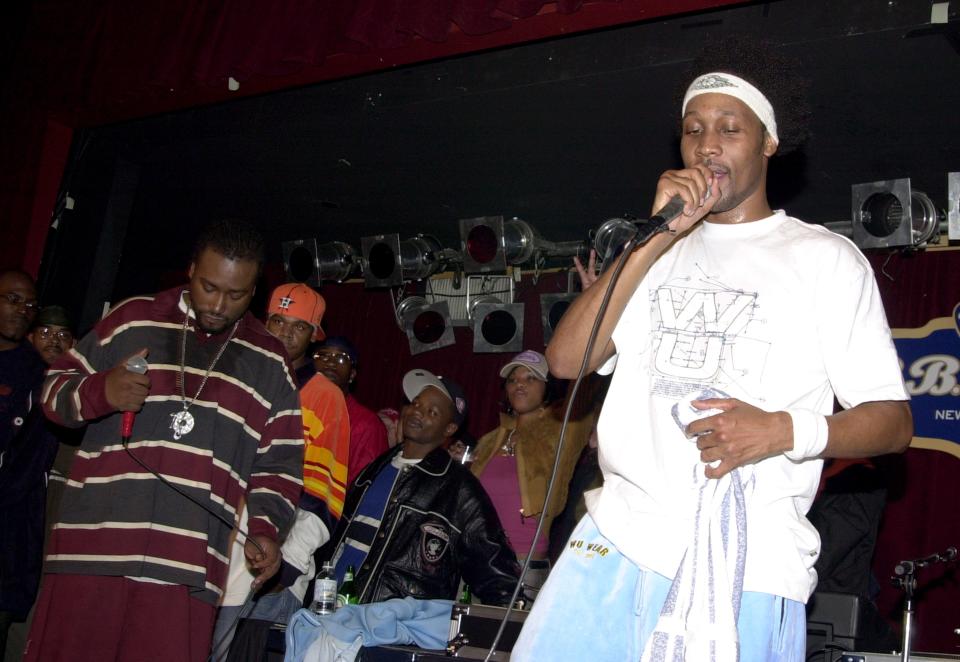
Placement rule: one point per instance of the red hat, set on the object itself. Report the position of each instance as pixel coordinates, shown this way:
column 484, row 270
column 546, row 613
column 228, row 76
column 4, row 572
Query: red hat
column 300, row 301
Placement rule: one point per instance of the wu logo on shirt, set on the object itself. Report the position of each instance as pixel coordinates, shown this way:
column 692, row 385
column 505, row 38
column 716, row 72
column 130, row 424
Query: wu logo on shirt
column 694, row 328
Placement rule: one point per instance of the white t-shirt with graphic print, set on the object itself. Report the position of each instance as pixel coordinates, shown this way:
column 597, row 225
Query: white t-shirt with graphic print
column 777, row 313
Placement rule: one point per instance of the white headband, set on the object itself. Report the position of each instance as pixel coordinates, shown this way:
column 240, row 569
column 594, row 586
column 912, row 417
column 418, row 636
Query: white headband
column 723, row 83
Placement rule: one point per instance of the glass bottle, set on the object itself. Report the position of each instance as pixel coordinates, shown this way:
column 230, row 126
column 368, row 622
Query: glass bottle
column 347, row 595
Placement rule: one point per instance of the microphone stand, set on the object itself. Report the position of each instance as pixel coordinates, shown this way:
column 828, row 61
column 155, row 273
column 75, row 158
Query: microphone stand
column 906, row 579
column 908, row 582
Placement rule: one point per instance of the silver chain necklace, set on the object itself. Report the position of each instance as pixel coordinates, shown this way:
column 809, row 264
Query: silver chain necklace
column 183, row 421
column 506, row 448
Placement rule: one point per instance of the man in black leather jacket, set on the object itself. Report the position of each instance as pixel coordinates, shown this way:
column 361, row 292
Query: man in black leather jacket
column 415, row 521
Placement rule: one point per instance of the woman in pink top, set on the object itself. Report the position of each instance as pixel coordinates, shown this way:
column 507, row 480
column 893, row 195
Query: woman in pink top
column 515, row 460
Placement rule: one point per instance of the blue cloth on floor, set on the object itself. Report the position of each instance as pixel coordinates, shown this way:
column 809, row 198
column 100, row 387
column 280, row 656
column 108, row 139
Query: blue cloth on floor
column 424, row 623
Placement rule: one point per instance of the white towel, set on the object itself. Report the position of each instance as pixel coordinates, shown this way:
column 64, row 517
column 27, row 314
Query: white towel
column 698, row 621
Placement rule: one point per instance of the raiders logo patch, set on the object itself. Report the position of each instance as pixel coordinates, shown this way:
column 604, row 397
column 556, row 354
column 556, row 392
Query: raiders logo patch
column 434, row 541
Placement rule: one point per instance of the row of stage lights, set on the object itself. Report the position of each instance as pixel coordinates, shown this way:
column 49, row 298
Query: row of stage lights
column 884, row 214
column 489, row 246
column 892, row 214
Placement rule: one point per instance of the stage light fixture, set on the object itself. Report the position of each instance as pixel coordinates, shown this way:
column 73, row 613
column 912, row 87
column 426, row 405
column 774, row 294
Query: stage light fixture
column 381, row 260
column 552, row 308
column 300, row 261
column 953, row 211
column 489, row 244
column 419, row 257
column 390, row 262
column 610, row 238
column 497, row 326
column 427, row 325
column 337, row 261
column 887, row 214
column 306, row 261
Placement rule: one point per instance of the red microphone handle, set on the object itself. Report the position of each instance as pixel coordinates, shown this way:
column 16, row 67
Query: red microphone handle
column 136, row 364
column 126, row 426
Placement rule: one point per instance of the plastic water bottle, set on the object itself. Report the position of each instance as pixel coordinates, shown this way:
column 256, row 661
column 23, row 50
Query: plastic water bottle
column 325, row 591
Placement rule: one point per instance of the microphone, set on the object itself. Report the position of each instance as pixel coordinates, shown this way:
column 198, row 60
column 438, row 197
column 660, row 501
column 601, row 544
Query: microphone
column 136, row 364
column 659, row 220
column 909, row 567
column 904, row 568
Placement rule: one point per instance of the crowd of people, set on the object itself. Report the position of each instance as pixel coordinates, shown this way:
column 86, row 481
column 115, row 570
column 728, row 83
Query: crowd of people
column 249, row 461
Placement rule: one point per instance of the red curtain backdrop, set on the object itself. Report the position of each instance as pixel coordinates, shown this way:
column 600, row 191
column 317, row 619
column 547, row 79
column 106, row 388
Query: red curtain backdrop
column 921, row 516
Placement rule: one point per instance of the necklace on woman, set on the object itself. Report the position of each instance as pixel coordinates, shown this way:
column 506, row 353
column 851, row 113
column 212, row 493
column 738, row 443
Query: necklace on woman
column 507, row 448
column 183, row 421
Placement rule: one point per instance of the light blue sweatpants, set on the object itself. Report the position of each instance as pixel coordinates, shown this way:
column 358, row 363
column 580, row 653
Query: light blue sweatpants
column 597, row 605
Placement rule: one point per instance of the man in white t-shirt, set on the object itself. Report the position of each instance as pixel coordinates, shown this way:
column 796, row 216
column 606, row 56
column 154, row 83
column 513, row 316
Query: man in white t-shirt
column 728, row 340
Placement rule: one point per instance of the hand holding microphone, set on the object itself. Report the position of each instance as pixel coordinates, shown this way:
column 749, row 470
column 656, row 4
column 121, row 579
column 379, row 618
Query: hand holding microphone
column 127, row 386
column 685, row 195
column 136, row 364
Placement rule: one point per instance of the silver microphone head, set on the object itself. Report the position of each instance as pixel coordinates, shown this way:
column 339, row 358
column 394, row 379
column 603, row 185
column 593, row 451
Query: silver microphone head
column 137, row 364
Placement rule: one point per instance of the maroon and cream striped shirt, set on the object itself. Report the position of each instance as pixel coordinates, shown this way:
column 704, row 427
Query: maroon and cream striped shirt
column 116, row 518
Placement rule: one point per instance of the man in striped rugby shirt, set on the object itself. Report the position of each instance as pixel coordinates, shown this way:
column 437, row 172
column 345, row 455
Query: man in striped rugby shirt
column 137, row 564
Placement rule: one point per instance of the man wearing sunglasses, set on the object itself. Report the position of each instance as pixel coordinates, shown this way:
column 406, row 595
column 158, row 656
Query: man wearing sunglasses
column 26, row 450
column 51, row 334
column 337, row 359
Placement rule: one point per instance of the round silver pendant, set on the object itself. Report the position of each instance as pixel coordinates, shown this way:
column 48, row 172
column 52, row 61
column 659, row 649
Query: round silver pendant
column 181, row 424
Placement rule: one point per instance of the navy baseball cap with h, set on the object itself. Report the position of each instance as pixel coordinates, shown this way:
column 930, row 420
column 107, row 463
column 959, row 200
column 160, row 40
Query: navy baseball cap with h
column 416, row 380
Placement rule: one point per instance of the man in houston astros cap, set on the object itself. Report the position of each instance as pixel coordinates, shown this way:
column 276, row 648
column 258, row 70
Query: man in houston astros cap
column 728, row 336
column 293, row 316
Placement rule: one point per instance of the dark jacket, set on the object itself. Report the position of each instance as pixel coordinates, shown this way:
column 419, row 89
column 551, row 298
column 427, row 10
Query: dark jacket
column 439, row 525
column 27, row 448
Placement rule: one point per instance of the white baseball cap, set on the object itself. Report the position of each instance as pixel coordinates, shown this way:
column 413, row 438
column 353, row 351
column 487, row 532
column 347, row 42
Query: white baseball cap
column 416, row 380
column 535, row 362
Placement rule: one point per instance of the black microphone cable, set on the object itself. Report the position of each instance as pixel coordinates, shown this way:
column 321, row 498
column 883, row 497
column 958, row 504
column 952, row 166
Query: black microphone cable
column 656, row 225
column 138, row 364
column 228, row 523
